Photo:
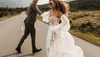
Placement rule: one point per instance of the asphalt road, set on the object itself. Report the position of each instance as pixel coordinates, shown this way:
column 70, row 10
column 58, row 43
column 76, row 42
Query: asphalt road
column 11, row 31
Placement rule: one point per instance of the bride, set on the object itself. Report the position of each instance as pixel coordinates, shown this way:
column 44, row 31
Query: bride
column 59, row 41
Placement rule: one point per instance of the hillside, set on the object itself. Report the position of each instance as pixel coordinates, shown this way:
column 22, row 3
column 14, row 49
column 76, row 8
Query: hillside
column 44, row 7
column 90, row 5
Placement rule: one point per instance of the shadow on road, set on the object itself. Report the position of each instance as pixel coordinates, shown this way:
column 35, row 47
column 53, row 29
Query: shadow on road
column 26, row 55
column 18, row 56
column 10, row 55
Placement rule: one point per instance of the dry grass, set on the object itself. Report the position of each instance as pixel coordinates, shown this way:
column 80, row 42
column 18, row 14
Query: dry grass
column 86, row 36
column 84, row 16
column 40, row 18
column 6, row 17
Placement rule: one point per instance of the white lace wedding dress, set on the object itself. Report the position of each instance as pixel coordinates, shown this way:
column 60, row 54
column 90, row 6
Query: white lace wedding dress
column 59, row 41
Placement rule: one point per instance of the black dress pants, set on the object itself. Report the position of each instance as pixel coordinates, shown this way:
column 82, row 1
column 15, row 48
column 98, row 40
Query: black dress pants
column 29, row 29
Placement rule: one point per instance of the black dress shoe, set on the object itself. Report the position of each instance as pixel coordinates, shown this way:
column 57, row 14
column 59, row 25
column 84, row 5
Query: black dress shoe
column 36, row 50
column 18, row 49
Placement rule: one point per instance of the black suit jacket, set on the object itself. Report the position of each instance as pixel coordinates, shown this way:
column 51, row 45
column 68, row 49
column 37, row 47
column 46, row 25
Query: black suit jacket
column 32, row 13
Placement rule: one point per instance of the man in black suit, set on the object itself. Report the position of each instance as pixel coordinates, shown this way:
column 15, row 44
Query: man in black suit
column 29, row 26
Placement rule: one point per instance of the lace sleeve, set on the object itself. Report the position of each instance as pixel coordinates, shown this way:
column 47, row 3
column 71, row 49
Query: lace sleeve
column 45, row 16
column 65, row 23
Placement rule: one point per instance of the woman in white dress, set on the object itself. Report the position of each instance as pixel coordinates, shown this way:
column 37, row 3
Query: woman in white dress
column 59, row 41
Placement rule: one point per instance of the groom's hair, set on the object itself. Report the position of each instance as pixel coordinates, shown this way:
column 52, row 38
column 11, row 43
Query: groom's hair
column 33, row 0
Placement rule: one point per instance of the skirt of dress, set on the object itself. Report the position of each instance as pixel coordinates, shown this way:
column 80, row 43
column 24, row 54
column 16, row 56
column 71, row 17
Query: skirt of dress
column 61, row 44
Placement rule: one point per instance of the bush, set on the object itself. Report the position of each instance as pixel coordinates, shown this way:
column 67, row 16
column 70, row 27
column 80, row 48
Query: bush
column 5, row 11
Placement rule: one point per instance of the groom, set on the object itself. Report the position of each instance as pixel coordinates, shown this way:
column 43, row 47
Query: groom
column 29, row 26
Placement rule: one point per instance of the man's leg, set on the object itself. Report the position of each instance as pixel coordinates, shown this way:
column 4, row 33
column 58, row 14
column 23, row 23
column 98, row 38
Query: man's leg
column 26, row 33
column 33, row 34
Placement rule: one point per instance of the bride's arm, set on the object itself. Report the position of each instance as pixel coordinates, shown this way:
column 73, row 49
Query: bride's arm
column 45, row 16
column 65, row 26
column 65, row 23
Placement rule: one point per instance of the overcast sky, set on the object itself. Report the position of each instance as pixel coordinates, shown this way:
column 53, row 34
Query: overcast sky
column 40, row 1
column 46, row 1
column 27, row 2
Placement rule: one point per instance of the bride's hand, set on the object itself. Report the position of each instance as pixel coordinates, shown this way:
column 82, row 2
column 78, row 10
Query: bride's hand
column 41, row 15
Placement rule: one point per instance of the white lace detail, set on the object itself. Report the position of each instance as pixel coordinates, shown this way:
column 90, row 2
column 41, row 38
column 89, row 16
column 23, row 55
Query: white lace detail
column 53, row 20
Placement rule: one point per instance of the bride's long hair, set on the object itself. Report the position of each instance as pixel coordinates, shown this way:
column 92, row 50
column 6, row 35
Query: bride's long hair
column 61, row 6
